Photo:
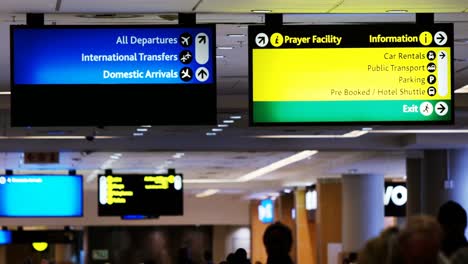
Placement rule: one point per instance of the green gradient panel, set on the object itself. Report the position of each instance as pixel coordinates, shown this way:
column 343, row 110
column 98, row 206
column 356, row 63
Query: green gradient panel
column 343, row 111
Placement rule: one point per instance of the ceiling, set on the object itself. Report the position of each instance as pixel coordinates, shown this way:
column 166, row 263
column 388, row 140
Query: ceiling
column 238, row 149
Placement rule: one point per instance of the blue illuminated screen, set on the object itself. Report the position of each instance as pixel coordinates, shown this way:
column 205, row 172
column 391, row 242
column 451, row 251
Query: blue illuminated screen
column 41, row 196
column 113, row 55
column 5, row 237
column 266, row 211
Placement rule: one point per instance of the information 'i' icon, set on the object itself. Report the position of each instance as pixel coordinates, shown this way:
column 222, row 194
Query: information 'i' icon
column 425, row 38
column 276, row 39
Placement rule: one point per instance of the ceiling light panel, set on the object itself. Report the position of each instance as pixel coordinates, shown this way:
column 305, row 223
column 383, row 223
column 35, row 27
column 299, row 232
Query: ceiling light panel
column 207, row 193
column 463, row 89
column 246, row 6
column 328, row 19
column 414, row 6
column 122, row 6
column 277, row 165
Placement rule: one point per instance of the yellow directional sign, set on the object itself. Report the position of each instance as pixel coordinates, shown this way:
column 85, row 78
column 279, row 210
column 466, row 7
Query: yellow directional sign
column 365, row 74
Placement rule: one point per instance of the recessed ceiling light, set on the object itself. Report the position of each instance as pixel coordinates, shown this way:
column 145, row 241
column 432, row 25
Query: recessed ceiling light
column 352, row 134
column 225, row 48
column 220, row 56
column 207, row 193
column 147, row 126
column 260, row 11
column 223, row 125
column 217, row 129
column 277, row 165
column 178, row 155
column 461, row 41
column 236, row 35
column 210, row 134
column 228, row 121
column 92, row 176
column 397, row 11
column 463, row 89
column 423, row 131
column 160, row 171
column 236, row 117
column 138, row 134
column 5, row 93
column 142, row 129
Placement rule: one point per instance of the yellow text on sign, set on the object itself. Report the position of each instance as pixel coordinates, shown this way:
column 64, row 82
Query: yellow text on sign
column 322, row 74
column 159, row 182
column 116, row 192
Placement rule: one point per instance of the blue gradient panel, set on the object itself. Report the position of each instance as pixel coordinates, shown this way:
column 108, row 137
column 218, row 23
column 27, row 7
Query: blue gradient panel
column 266, row 211
column 55, row 55
column 41, row 196
column 5, row 237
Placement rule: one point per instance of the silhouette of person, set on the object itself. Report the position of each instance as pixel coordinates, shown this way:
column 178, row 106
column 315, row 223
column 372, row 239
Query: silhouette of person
column 241, row 256
column 231, row 258
column 452, row 218
column 278, row 242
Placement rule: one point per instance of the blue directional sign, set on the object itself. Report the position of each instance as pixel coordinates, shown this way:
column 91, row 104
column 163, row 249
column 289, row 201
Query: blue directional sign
column 167, row 55
column 124, row 75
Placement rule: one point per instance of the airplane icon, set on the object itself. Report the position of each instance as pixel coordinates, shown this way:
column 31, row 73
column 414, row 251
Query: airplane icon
column 186, row 74
column 186, row 57
column 185, row 41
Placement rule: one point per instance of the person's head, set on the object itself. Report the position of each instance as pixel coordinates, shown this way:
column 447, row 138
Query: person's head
column 277, row 239
column 241, row 254
column 353, row 256
column 382, row 249
column 452, row 218
column 231, row 258
column 420, row 240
